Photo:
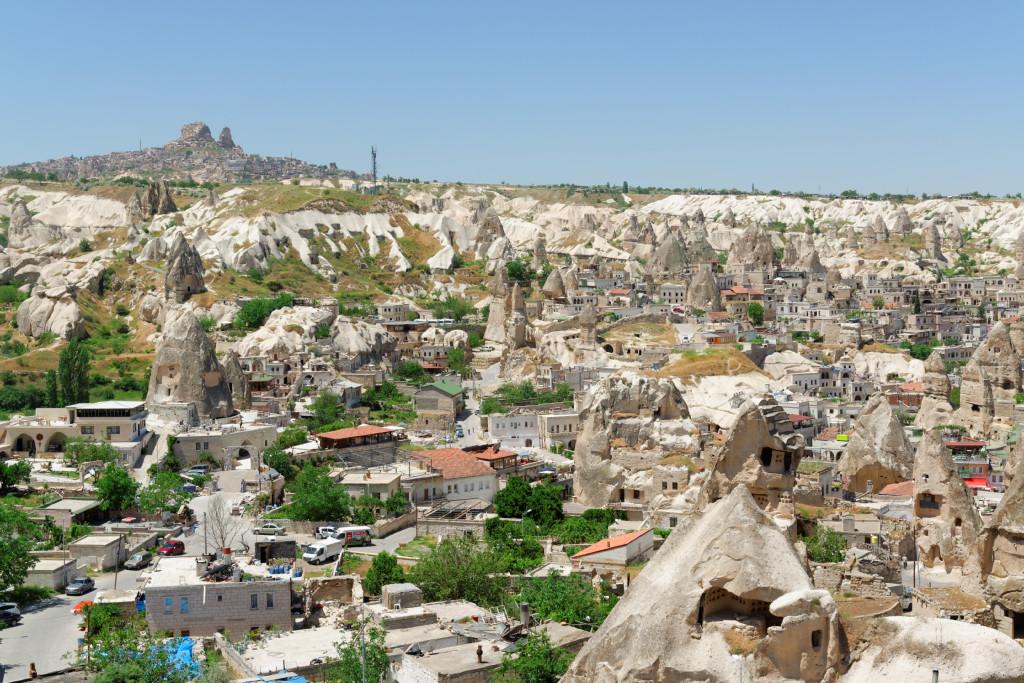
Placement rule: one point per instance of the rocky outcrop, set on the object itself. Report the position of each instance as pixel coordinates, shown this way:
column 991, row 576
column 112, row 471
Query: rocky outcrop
column 554, row 286
column 363, row 342
column 703, row 291
column 877, row 451
column 540, row 254
column 53, row 310
column 625, row 422
column 225, row 140
column 991, row 378
column 238, row 381
column 902, row 226
column 761, row 453
column 195, row 134
column 753, row 251
column 669, row 258
column 24, row 232
column 495, row 329
column 517, row 325
column 186, row 370
column 731, row 578
column 151, row 308
column 935, row 408
column 287, row 331
column 728, row 218
column 946, row 521
column 933, row 244
column 184, row 275
column 699, row 248
column 1019, row 253
column 154, row 200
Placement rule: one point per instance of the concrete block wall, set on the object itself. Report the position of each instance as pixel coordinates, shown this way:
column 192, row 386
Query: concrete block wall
column 225, row 606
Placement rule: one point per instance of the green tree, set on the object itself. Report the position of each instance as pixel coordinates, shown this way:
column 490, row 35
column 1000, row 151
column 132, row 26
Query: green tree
column 383, row 570
column 825, row 546
column 459, row 569
column 116, row 488
column 73, row 373
column 52, row 394
column 14, row 473
column 514, row 544
column 317, row 497
column 255, row 312
column 569, row 598
column 412, row 372
column 755, row 313
column 324, row 409
column 451, row 307
column 276, row 458
column 397, row 503
column 292, row 436
column 535, row 660
column 878, row 302
column 80, row 451
column 19, row 534
column 514, row 499
column 457, row 362
column 122, row 650
column 545, row 505
column 164, row 493
column 357, row 656
column 518, row 270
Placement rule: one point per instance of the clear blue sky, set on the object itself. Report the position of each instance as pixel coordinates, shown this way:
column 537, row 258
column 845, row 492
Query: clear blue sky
column 876, row 96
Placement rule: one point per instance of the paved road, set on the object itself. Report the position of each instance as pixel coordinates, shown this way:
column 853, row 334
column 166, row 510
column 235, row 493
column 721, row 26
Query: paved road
column 48, row 634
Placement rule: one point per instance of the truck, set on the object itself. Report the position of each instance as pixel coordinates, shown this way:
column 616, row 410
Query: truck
column 323, row 551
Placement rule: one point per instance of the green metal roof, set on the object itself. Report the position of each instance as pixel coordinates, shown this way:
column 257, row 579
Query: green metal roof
column 449, row 388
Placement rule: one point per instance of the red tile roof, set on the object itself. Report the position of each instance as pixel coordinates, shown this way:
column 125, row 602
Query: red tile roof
column 454, row 463
column 613, row 542
column 900, row 488
column 491, row 454
column 799, row 418
column 621, row 291
column 965, row 443
column 912, row 386
column 352, row 432
column 828, row 434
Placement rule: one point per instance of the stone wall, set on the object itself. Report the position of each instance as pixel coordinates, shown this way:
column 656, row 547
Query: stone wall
column 215, row 606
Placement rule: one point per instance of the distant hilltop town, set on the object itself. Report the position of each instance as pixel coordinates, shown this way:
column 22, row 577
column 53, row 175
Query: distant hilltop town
column 195, row 153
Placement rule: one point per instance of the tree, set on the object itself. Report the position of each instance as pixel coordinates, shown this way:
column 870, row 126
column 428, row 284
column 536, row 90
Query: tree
column 81, row 451
column 535, row 660
column 826, row 546
column 755, row 312
column 459, row 569
column 317, row 497
column 545, row 504
column 223, row 527
column 519, row 271
column 569, row 598
column 412, row 372
column 73, row 373
column 358, row 655
column 324, row 409
column 514, row 544
column 121, row 649
column 397, row 503
column 164, row 493
column 116, row 488
column 292, row 436
column 277, row 459
column 382, row 571
column 457, row 361
column 19, row 534
column 878, row 302
column 14, row 473
column 514, row 499
column 52, row 392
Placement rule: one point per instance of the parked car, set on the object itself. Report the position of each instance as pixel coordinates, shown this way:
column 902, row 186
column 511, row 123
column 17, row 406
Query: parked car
column 9, row 613
column 201, row 468
column 139, row 560
column 324, row 532
column 459, row 433
column 269, row 529
column 80, row 586
column 171, row 546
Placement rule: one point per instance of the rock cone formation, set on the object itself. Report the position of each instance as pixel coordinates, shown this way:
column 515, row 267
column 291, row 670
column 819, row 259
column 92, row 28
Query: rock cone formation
column 703, row 291
column 186, row 370
column 52, row 310
column 878, row 451
column 184, row 276
column 224, row 139
column 554, row 286
column 935, row 408
column 753, row 251
column 731, row 576
column 669, row 258
column 902, row 226
column 991, row 379
column 238, row 381
column 946, row 520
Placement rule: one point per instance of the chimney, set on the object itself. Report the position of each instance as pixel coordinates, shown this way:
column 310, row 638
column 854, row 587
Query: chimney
column 201, row 565
column 367, row 476
column 479, row 653
column 524, row 614
column 848, row 524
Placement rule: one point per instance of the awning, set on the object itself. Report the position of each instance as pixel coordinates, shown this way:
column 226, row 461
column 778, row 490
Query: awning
column 977, row 483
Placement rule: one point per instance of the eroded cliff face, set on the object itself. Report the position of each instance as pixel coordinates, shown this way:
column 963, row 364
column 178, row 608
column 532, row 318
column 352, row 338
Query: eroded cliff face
column 990, row 380
column 935, row 408
column 629, row 425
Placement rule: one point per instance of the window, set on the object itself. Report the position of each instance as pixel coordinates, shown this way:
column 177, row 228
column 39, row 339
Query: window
column 168, row 605
column 88, row 430
column 664, row 485
column 270, row 600
column 220, row 598
column 254, row 601
column 183, row 605
column 113, row 430
column 198, row 447
column 675, row 486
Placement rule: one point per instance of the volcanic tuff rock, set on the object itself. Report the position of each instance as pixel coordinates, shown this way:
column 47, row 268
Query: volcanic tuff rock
column 703, row 291
column 761, row 453
column 946, row 521
column 184, row 276
column 669, row 258
column 286, row 331
column 902, row 226
column 51, row 310
column 224, row 139
column 933, row 244
column 752, row 250
column 991, row 378
column 878, row 450
column 238, row 381
column 935, row 408
column 554, row 286
column 26, row 233
column 728, row 218
column 186, row 370
column 733, row 575
column 622, row 415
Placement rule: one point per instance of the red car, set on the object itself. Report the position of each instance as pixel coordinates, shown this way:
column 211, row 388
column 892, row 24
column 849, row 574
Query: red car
column 171, row 547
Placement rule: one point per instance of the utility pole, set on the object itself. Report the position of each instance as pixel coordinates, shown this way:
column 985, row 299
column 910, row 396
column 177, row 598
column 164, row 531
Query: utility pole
column 206, row 533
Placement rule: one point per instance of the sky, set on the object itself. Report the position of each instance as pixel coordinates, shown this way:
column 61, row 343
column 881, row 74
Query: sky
column 811, row 96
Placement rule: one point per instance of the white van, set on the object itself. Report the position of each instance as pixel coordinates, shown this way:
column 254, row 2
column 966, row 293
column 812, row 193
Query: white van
column 323, row 551
column 353, row 535
column 324, row 532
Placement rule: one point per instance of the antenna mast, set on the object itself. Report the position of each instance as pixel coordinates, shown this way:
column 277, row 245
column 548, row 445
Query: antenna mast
column 373, row 164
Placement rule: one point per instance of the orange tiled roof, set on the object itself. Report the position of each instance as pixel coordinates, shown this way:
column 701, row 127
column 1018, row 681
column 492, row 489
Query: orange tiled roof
column 491, row 454
column 351, row 432
column 900, row 488
column 912, row 386
column 613, row 542
column 454, row 463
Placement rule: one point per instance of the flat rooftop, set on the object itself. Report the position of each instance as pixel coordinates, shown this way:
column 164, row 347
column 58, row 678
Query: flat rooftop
column 51, row 565
column 96, row 541
column 173, row 571
column 370, row 478
column 73, row 505
column 108, row 405
column 295, row 649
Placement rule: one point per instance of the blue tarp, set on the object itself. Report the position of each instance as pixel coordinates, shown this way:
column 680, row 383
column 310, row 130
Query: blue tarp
column 180, row 650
